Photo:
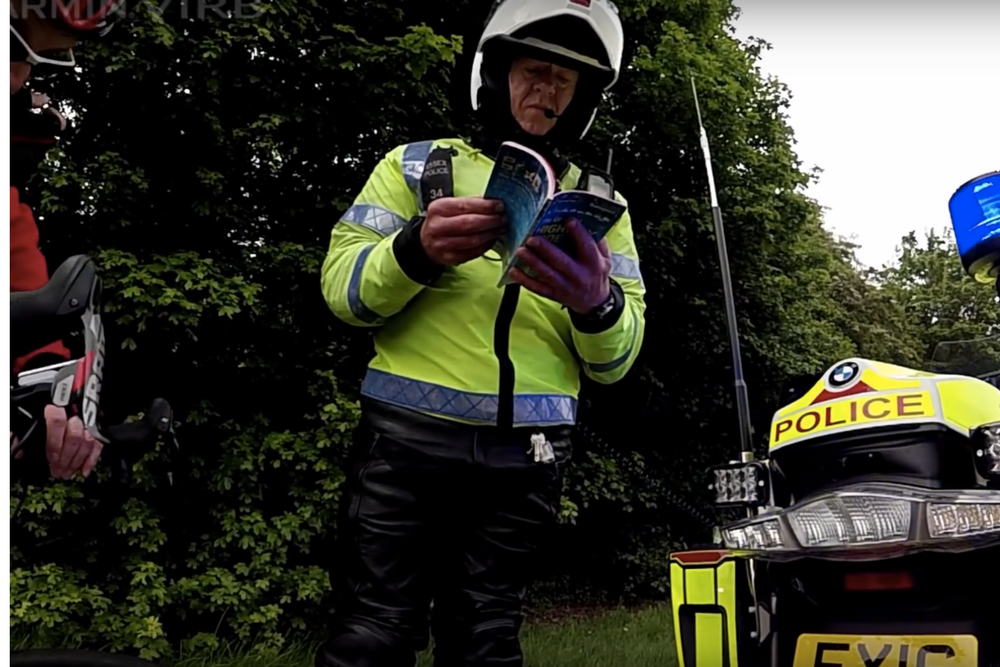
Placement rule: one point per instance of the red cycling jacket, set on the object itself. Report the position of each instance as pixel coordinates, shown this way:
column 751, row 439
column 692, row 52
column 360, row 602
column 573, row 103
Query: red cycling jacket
column 28, row 269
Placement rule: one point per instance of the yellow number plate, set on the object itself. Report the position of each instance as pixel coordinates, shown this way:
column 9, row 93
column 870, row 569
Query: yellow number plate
column 886, row 651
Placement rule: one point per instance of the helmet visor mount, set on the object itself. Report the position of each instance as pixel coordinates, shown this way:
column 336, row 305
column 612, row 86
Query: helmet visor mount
column 507, row 49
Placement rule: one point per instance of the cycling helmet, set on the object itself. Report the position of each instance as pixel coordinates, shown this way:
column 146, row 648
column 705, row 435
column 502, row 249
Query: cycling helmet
column 83, row 19
column 584, row 35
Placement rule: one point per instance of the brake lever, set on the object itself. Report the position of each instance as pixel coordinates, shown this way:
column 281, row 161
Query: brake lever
column 158, row 421
column 119, row 440
column 124, row 438
column 32, row 390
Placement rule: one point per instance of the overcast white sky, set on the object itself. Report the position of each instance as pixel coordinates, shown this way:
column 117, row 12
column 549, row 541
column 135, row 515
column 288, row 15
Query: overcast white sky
column 898, row 102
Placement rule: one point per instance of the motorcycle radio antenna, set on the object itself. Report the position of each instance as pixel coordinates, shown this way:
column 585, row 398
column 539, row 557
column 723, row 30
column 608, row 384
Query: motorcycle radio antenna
column 742, row 397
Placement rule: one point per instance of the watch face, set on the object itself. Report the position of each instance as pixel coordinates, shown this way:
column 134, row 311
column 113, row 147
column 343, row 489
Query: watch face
column 605, row 307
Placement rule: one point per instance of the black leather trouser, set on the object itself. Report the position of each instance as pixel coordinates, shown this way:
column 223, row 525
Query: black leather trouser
column 434, row 510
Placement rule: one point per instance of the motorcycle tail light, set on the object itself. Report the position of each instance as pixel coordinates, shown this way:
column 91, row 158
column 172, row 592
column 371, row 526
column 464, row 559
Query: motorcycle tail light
column 870, row 522
column 878, row 581
column 844, row 520
column 960, row 519
column 759, row 535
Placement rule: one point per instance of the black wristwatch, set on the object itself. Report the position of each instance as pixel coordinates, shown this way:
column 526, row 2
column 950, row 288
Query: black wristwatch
column 602, row 310
column 604, row 316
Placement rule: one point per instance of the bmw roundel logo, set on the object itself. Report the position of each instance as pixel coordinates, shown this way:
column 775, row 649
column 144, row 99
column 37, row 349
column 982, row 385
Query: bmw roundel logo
column 844, row 374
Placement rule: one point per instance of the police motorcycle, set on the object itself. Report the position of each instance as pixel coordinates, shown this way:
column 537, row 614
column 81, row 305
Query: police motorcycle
column 872, row 529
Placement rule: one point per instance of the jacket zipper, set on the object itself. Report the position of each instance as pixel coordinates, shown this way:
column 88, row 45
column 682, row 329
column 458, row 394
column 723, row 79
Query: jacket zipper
column 501, row 345
column 501, row 348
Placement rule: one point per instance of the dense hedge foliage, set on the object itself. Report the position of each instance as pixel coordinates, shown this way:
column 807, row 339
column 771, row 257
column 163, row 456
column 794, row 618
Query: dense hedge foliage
column 215, row 154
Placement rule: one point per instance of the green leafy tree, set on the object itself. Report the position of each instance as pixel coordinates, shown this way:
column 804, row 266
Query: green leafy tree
column 875, row 321
column 941, row 303
column 215, row 154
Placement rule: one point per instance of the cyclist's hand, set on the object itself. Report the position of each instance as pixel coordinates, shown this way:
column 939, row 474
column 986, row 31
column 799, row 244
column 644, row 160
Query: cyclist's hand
column 459, row 229
column 40, row 100
column 69, row 447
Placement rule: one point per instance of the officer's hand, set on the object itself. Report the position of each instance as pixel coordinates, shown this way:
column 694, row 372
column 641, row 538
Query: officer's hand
column 69, row 447
column 458, row 229
column 580, row 284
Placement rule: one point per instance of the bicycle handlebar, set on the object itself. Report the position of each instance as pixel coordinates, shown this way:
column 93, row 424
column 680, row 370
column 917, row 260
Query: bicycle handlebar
column 70, row 301
column 158, row 421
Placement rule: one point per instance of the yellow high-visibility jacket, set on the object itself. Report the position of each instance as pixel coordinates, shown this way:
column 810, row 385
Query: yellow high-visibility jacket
column 440, row 347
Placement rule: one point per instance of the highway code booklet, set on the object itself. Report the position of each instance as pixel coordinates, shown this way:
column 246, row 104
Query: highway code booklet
column 526, row 184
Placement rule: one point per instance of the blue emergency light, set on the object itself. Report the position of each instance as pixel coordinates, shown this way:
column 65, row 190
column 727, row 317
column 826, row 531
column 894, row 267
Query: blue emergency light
column 975, row 217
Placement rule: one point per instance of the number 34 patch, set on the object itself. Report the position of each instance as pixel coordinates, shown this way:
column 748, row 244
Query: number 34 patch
column 887, row 651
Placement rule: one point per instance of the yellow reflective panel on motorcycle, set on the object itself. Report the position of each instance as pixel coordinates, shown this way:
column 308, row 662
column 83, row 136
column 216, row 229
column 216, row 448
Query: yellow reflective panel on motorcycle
column 852, row 412
column 886, row 651
column 856, row 394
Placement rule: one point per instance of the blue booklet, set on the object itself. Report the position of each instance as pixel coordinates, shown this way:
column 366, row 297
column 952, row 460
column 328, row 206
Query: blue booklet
column 525, row 182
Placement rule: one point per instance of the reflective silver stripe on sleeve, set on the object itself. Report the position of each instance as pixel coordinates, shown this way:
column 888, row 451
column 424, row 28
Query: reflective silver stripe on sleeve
column 381, row 220
column 623, row 266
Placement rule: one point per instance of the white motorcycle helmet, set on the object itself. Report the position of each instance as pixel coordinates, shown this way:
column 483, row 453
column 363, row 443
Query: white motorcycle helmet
column 585, row 35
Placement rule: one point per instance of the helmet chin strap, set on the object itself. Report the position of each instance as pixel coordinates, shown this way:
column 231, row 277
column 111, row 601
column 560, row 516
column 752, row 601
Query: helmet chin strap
column 497, row 126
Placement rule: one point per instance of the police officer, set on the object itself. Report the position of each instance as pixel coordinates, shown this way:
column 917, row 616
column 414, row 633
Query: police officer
column 467, row 407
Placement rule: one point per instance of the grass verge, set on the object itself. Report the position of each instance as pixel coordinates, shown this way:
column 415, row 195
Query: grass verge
column 636, row 638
